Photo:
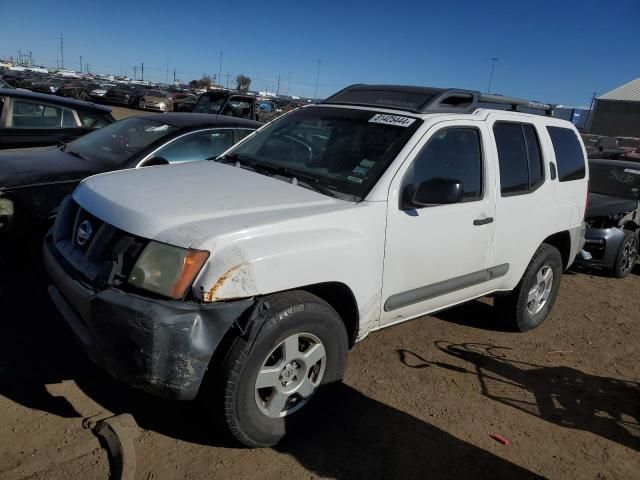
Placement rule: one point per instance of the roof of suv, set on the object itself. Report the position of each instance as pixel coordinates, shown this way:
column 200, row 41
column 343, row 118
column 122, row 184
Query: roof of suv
column 52, row 99
column 430, row 100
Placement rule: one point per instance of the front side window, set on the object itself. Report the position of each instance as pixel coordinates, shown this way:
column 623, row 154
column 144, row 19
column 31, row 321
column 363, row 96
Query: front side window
column 569, row 156
column 197, row 146
column 118, row 142
column 343, row 151
column 451, row 154
column 519, row 158
column 27, row 114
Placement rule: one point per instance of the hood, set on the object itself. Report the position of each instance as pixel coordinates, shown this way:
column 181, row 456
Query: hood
column 606, row 205
column 33, row 166
column 180, row 204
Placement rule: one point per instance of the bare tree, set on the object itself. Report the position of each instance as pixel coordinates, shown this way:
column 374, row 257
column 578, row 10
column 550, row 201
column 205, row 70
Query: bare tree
column 243, row 82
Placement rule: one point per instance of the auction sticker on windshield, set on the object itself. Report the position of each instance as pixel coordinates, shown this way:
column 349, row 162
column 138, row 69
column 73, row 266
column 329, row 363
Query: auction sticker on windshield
column 397, row 120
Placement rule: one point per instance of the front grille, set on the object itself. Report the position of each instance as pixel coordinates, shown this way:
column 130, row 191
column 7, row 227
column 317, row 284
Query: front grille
column 99, row 254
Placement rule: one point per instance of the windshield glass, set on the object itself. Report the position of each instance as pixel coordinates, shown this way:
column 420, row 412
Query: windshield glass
column 118, row 142
column 615, row 180
column 156, row 93
column 209, row 103
column 344, row 150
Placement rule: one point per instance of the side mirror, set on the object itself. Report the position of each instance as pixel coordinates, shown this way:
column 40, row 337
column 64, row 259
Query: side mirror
column 153, row 161
column 438, row 191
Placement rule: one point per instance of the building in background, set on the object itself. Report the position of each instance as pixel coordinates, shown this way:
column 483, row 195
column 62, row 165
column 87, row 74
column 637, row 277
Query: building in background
column 577, row 116
column 617, row 113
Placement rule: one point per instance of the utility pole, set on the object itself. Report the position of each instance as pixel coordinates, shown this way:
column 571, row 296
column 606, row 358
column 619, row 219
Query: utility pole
column 278, row 87
column 142, row 69
column 315, row 95
column 87, row 67
column 19, row 57
column 174, row 75
column 288, row 82
column 220, row 68
column 61, row 52
column 135, row 72
column 586, row 122
column 167, row 78
column 493, row 64
column 30, row 58
column 80, row 63
column 228, row 75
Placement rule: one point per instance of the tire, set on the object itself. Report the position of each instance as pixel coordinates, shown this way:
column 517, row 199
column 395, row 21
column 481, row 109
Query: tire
column 253, row 415
column 627, row 255
column 523, row 309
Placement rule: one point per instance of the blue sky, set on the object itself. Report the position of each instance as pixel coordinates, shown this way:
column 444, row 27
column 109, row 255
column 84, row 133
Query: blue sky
column 555, row 51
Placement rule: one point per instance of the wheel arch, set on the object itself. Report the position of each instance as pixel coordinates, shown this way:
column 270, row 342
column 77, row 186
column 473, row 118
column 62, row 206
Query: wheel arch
column 561, row 241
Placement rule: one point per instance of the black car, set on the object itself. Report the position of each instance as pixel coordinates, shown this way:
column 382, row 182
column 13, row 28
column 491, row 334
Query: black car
column 613, row 216
column 226, row 102
column 128, row 95
column 34, row 181
column 30, row 119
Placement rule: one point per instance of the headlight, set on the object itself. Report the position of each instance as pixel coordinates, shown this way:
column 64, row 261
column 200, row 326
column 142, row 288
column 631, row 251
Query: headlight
column 166, row 269
column 161, row 104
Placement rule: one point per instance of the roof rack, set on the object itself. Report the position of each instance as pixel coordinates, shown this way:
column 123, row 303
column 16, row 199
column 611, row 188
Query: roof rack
column 430, row 100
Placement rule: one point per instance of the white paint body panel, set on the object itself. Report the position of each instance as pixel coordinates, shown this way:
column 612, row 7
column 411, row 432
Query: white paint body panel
column 266, row 235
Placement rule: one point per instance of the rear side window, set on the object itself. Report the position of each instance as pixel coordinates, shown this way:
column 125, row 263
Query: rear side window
column 452, row 153
column 519, row 158
column 569, row 156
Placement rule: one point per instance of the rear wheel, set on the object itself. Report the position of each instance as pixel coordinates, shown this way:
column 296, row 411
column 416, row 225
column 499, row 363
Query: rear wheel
column 627, row 255
column 302, row 345
column 529, row 304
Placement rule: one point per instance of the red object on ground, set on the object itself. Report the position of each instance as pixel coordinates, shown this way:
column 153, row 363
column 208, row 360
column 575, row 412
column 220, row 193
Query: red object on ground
column 499, row 438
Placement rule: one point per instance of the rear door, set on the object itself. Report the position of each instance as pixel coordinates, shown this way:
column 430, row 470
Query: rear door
column 438, row 255
column 32, row 123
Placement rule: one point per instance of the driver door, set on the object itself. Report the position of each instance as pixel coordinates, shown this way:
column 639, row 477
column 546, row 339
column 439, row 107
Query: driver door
column 438, row 255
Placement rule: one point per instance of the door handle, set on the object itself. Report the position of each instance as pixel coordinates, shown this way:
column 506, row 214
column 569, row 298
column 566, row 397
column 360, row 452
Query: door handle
column 482, row 221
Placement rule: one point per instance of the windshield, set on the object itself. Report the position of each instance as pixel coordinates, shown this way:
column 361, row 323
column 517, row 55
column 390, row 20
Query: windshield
column 156, row 93
column 343, row 150
column 615, row 181
column 118, row 142
column 209, row 103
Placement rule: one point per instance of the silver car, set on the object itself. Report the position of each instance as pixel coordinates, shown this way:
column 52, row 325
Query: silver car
column 157, row 100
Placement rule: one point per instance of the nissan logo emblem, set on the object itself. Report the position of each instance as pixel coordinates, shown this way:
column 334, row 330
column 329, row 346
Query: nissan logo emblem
column 84, row 232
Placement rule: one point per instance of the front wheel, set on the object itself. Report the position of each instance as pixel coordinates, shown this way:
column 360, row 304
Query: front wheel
column 302, row 345
column 627, row 255
column 529, row 304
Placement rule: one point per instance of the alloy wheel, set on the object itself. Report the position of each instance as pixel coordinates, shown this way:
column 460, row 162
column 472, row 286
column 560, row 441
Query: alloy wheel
column 290, row 375
column 539, row 293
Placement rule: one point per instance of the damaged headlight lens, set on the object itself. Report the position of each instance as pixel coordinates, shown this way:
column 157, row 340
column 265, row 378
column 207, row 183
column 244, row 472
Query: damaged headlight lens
column 167, row 270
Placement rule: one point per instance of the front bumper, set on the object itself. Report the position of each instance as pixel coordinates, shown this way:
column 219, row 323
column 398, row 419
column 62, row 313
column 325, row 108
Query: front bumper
column 603, row 244
column 161, row 346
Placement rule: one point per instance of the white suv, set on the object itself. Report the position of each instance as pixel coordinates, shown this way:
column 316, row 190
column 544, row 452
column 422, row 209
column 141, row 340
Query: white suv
column 262, row 268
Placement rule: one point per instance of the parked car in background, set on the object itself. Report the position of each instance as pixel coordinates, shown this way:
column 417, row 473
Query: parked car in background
column 261, row 269
column 613, row 217
column 184, row 102
column 98, row 93
column 156, row 100
column 124, row 94
column 4, row 84
column 29, row 119
column 52, row 85
column 33, row 181
column 78, row 90
column 226, row 102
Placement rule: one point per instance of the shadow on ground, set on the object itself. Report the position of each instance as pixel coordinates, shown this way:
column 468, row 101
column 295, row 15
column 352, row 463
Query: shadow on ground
column 607, row 407
column 344, row 434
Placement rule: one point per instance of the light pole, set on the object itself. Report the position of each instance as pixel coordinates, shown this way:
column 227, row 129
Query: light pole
column 493, row 64
column 315, row 95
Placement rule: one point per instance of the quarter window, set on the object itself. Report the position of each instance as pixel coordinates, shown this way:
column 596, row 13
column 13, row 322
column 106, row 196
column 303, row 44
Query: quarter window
column 519, row 158
column 197, row 146
column 452, row 153
column 569, row 156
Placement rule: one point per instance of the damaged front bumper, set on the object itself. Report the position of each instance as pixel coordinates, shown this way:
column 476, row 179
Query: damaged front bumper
column 601, row 247
column 161, row 346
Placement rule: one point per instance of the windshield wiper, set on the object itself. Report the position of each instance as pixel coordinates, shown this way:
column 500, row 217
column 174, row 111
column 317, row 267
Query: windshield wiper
column 297, row 177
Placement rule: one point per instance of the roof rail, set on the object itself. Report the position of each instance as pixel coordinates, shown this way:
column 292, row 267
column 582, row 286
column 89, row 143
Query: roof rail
column 429, row 99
